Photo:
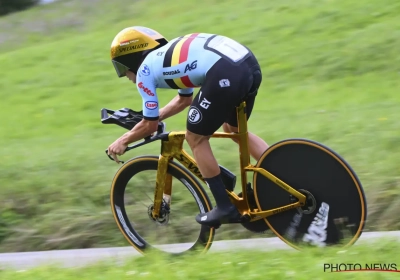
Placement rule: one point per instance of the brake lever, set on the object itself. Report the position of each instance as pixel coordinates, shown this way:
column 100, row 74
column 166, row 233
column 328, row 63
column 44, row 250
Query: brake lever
column 110, row 157
column 146, row 139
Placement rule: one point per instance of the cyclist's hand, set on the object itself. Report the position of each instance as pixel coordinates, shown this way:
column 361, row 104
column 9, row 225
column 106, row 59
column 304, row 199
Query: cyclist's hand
column 116, row 149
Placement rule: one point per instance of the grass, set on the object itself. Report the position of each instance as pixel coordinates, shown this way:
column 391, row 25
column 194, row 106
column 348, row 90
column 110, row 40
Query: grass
column 239, row 265
column 330, row 73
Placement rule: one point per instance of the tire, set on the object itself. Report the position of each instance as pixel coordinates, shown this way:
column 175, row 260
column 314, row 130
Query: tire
column 120, row 201
column 336, row 208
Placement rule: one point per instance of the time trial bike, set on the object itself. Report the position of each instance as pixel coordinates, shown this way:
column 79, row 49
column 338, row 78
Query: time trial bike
column 301, row 190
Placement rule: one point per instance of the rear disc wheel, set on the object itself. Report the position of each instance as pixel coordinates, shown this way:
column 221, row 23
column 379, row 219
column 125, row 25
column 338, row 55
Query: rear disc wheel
column 335, row 210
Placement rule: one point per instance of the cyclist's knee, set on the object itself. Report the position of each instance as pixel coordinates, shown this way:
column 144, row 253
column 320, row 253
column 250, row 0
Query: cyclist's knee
column 194, row 140
column 228, row 128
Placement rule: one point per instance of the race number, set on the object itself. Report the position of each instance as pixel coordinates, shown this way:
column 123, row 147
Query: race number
column 228, row 47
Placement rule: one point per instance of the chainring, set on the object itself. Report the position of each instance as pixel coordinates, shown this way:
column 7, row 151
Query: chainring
column 259, row 226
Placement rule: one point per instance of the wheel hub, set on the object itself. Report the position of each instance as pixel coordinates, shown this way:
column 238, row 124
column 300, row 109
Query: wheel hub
column 310, row 203
column 163, row 217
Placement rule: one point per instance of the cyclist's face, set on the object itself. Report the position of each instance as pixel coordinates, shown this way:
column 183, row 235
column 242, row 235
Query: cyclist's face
column 131, row 76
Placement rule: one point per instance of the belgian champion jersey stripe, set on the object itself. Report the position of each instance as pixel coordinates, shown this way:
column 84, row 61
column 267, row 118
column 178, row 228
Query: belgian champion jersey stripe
column 177, row 54
column 168, row 54
column 183, row 53
column 186, row 81
column 171, row 84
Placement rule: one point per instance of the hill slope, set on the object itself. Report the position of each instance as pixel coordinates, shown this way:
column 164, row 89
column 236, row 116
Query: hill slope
column 330, row 74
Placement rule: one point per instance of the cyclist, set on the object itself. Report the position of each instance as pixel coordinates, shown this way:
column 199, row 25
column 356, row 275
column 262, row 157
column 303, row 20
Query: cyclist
column 226, row 73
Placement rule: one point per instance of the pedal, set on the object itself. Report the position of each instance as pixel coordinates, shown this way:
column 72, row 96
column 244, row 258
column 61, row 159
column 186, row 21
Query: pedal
column 238, row 220
column 243, row 219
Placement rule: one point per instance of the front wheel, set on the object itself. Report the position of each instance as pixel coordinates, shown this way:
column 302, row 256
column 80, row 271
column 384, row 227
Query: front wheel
column 336, row 208
column 175, row 231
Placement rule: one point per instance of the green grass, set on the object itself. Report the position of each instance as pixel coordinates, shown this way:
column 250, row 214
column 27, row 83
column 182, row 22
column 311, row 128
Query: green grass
column 330, row 73
column 238, row 265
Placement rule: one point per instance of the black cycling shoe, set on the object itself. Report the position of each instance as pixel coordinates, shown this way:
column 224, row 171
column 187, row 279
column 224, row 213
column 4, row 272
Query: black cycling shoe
column 217, row 216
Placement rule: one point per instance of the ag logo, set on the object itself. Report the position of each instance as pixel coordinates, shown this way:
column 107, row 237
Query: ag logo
column 194, row 115
column 145, row 70
column 191, row 66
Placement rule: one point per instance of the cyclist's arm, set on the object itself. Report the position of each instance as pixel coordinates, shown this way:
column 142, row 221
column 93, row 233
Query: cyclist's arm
column 178, row 104
column 147, row 89
column 143, row 129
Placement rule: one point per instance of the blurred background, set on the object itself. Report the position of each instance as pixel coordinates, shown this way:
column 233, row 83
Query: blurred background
column 330, row 74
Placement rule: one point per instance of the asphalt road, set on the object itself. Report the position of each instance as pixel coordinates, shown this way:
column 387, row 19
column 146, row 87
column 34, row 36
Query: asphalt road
column 81, row 257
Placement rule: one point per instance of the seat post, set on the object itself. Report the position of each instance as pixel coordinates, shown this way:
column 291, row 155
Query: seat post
column 242, row 117
column 243, row 143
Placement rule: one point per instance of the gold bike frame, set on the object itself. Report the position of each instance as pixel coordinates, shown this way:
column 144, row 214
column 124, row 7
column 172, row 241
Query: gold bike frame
column 173, row 149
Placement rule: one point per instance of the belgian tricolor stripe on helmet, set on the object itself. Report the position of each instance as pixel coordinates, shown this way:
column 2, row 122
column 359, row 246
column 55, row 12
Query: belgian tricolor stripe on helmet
column 176, row 54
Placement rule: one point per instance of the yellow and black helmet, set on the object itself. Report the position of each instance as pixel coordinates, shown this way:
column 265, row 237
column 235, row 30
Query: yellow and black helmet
column 131, row 45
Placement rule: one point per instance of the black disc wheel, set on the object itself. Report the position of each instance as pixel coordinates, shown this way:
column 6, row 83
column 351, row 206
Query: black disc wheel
column 335, row 210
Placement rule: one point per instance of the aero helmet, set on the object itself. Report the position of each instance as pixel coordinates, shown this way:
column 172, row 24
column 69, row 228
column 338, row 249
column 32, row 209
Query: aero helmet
column 131, row 45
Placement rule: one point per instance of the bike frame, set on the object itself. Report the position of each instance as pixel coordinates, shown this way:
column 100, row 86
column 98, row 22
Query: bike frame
column 172, row 148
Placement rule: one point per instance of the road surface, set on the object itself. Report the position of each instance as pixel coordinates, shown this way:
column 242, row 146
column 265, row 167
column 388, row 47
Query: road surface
column 81, row 257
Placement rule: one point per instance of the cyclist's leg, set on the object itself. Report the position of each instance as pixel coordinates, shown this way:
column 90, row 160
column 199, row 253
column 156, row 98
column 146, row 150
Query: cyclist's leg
column 210, row 170
column 224, row 210
column 257, row 146
column 209, row 110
